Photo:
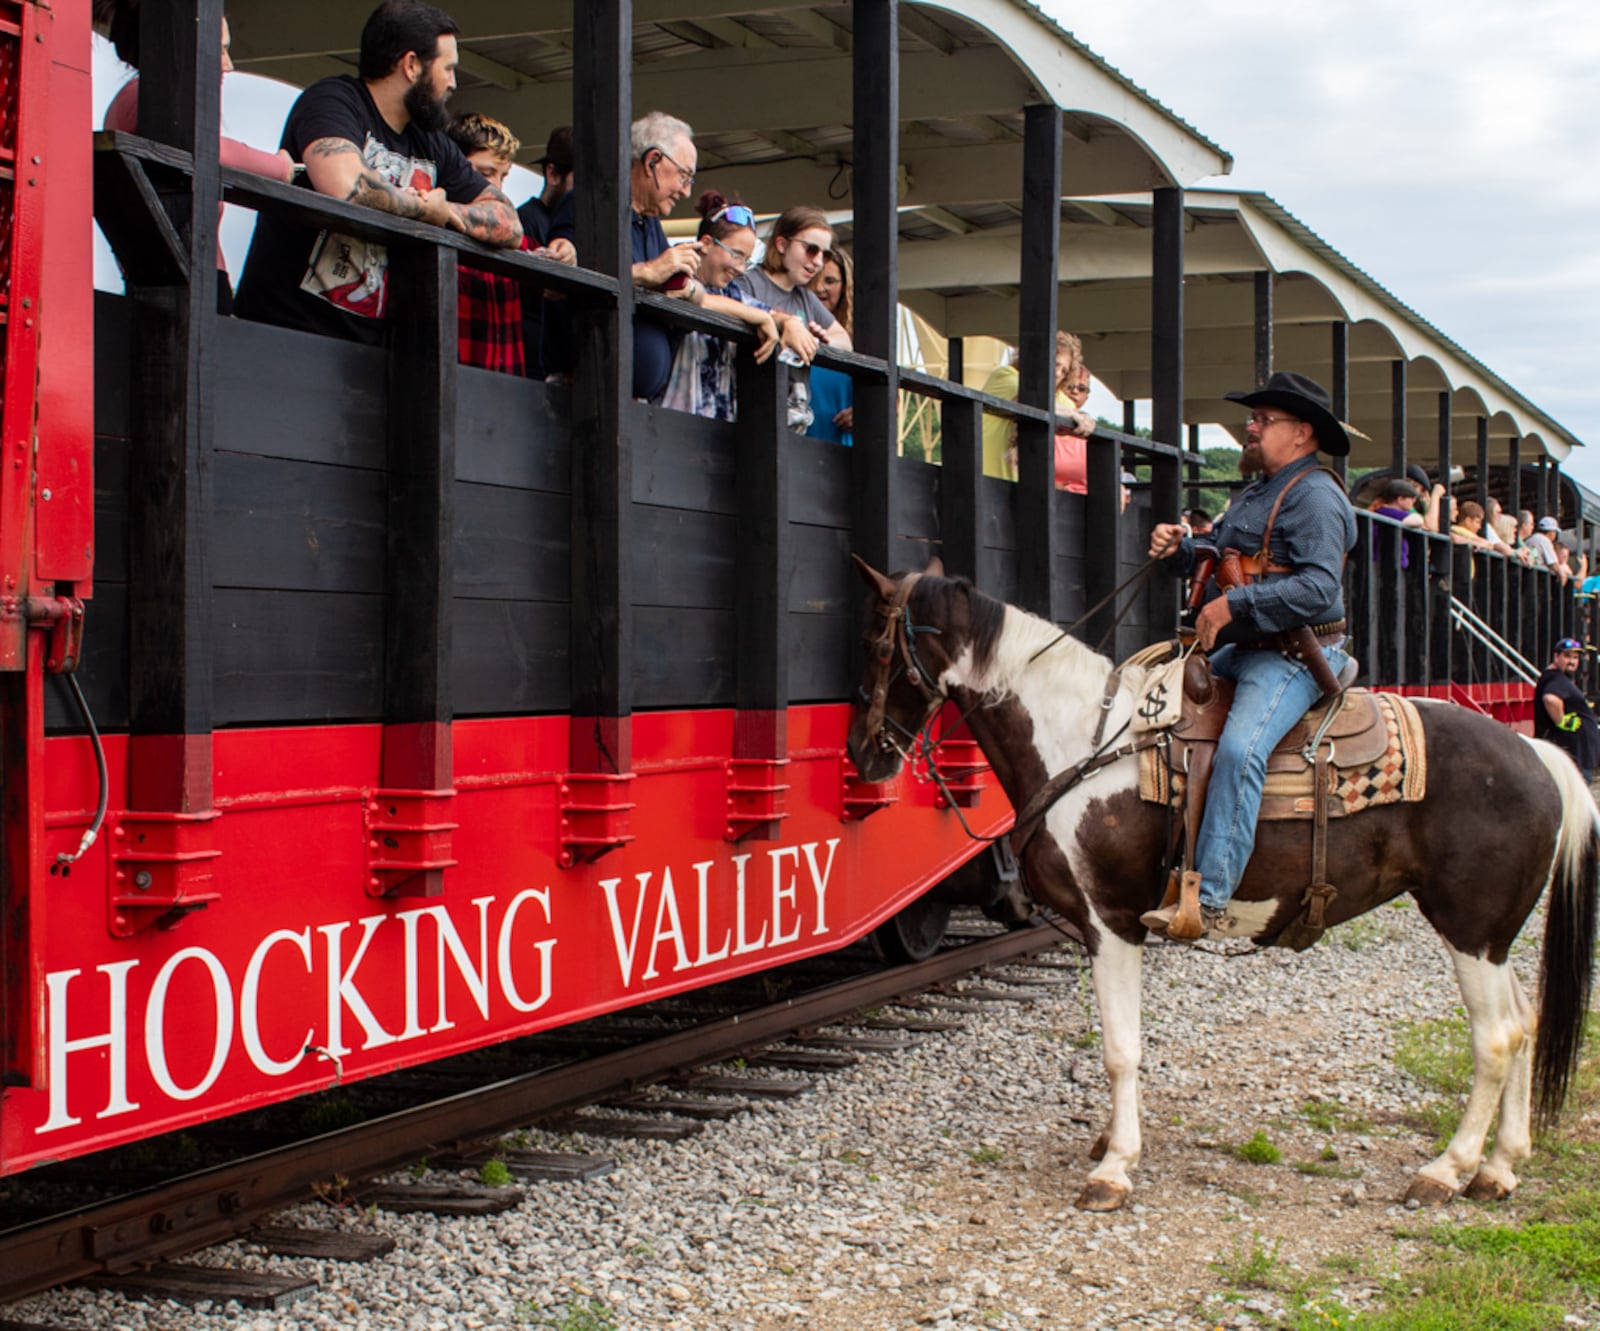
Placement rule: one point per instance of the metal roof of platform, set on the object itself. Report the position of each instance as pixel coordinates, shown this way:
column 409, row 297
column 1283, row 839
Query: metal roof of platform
column 959, row 270
column 767, row 86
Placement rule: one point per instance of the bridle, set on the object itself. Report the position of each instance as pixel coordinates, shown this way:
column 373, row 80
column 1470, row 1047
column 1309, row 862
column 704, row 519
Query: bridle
column 896, row 637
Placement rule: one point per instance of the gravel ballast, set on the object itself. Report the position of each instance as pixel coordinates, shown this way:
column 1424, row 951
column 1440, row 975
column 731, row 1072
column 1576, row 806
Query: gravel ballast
column 933, row 1187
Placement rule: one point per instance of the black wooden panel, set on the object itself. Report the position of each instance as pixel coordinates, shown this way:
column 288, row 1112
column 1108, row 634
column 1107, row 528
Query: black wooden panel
column 683, row 559
column 296, row 395
column 819, row 656
column 915, row 537
column 103, row 671
column 297, row 656
column 512, row 431
column 110, row 510
column 820, row 583
column 820, row 481
column 297, row 525
column 511, row 544
column 683, row 658
column 509, row 656
column 113, row 342
column 683, row 461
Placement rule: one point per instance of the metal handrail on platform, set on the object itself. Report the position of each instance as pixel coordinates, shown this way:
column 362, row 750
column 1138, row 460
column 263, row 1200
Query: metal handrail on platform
column 1472, row 624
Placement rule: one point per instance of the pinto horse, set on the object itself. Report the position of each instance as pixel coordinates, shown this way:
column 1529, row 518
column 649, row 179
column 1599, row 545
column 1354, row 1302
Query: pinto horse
column 1503, row 818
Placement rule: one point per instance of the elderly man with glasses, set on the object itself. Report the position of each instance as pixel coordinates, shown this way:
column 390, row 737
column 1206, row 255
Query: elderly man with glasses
column 662, row 174
column 1279, row 613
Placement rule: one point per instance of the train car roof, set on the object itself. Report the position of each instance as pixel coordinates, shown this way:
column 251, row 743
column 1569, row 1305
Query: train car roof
column 766, row 85
column 959, row 270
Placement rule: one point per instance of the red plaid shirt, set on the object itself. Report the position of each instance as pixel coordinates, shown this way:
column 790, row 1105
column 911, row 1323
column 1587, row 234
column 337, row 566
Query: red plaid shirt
column 490, row 310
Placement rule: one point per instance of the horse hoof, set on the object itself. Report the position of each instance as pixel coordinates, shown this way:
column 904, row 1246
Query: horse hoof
column 1483, row 1188
column 1102, row 1195
column 1098, row 1150
column 1425, row 1191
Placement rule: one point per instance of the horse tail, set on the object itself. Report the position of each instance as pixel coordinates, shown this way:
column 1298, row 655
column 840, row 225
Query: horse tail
column 1566, row 967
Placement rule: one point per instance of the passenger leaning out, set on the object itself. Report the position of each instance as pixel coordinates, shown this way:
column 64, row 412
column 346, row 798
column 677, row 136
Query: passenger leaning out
column 1073, row 424
column 833, row 414
column 704, row 381
column 799, row 240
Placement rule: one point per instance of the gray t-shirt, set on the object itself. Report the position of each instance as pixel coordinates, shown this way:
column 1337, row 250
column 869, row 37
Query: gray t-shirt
column 802, row 300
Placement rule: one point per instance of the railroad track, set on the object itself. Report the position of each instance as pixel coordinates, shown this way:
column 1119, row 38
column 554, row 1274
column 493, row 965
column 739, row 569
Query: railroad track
column 155, row 1225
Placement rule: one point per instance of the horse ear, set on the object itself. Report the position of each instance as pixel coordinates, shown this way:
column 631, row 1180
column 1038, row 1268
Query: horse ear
column 874, row 580
column 935, row 567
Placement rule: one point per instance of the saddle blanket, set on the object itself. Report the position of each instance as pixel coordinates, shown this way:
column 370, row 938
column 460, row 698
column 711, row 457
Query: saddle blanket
column 1399, row 774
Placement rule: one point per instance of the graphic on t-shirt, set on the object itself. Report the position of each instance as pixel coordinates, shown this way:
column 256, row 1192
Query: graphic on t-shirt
column 352, row 273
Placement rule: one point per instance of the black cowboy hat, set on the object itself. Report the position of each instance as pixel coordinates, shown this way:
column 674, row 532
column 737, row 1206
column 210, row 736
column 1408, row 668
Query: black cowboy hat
column 1305, row 400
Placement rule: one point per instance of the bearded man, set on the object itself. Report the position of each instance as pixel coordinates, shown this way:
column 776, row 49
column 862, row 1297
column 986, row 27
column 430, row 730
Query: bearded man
column 1281, row 634
column 376, row 140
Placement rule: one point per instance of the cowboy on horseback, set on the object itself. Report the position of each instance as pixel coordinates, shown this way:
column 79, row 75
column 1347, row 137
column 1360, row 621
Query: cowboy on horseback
column 1276, row 603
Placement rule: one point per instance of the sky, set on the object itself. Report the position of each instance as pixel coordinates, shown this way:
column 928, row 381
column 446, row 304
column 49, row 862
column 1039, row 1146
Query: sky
column 1443, row 146
column 1446, row 147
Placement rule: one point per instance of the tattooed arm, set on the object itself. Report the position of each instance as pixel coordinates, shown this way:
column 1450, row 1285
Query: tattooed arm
column 334, row 167
column 489, row 218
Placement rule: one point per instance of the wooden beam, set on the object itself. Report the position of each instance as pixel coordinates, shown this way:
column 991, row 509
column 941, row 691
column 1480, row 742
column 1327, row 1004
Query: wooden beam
column 945, row 218
column 735, row 34
column 814, row 24
column 492, row 71
column 920, row 25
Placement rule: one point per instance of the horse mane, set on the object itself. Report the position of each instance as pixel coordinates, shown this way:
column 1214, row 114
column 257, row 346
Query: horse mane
column 1004, row 639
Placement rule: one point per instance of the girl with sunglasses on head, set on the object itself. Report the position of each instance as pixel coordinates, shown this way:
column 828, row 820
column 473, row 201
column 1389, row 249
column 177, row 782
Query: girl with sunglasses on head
column 833, row 393
column 800, row 239
column 703, row 378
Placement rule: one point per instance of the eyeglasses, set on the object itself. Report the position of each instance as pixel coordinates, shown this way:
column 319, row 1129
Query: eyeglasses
column 734, row 214
column 1261, row 420
column 1078, row 388
column 811, row 251
column 743, row 260
column 686, row 176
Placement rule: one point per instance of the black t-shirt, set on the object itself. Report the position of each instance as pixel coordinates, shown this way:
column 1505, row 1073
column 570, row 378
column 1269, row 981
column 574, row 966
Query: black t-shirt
column 652, row 345
column 1584, row 742
column 340, row 108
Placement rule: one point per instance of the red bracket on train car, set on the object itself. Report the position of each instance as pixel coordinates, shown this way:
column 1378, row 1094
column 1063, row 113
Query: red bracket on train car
column 596, row 815
column 756, row 798
column 409, row 842
column 962, row 767
column 863, row 798
column 160, row 869
column 61, row 616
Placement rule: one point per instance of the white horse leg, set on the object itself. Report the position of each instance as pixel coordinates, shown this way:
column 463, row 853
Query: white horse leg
column 1498, row 1039
column 1117, row 968
column 1496, row 1178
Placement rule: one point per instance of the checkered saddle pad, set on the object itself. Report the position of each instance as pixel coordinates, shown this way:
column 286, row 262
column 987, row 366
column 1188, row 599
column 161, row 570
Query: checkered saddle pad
column 1379, row 757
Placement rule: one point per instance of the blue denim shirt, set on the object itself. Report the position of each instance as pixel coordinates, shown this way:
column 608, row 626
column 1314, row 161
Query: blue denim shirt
column 1315, row 530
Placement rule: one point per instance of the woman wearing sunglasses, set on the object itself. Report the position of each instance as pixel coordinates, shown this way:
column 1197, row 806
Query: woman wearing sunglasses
column 703, row 377
column 833, row 392
column 796, row 249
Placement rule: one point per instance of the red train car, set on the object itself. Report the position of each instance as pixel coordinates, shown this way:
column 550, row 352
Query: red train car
column 420, row 707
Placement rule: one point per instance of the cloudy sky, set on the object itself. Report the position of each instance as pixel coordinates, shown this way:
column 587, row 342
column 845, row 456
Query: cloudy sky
column 1447, row 147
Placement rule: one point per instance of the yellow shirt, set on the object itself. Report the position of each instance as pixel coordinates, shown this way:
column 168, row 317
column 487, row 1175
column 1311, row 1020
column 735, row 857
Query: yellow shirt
column 998, row 432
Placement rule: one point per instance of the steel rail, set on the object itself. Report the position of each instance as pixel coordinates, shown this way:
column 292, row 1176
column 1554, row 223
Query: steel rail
column 219, row 1204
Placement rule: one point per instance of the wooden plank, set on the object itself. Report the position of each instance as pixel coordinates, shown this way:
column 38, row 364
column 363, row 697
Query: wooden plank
column 437, row 1200
column 299, row 526
column 538, row 1166
column 644, row 1129
column 686, row 1106
column 182, row 1283
column 684, row 461
column 683, row 658
column 297, row 656
column 510, row 657
column 284, row 393
column 693, row 560
column 113, row 365
column 872, row 1044
column 820, row 668
column 805, row 1060
column 757, row 1088
column 820, row 477
column 961, row 446
column 333, row 1245
column 510, row 544
column 512, row 431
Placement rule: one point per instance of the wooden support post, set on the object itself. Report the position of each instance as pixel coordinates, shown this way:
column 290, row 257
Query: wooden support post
column 408, row 819
column 1130, row 416
column 1514, row 475
column 1263, row 327
column 960, row 486
column 1339, row 389
column 1482, row 495
column 876, row 90
column 1035, row 492
column 1166, row 358
column 1541, row 487
column 956, row 370
column 170, row 630
column 600, row 737
column 1397, row 415
column 757, row 788
column 1446, row 461
column 1194, row 472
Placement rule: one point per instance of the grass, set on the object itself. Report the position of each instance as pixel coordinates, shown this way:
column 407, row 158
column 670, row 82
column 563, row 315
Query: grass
column 1330, row 1116
column 1366, row 930
column 590, row 1315
column 1253, row 1265
column 1437, row 1054
column 986, row 1155
column 1259, row 1150
column 494, row 1174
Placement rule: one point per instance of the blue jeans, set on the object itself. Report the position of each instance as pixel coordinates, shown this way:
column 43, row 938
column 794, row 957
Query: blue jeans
column 1271, row 693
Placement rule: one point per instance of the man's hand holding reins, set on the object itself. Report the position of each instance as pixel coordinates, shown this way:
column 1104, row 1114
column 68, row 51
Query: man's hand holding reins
column 1164, row 539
